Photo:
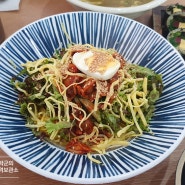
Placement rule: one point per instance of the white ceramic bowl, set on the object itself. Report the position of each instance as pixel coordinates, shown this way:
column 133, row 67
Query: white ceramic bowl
column 131, row 12
column 138, row 44
column 180, row 172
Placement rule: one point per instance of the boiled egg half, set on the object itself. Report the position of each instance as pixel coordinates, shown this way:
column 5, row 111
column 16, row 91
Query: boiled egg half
column 96, row 63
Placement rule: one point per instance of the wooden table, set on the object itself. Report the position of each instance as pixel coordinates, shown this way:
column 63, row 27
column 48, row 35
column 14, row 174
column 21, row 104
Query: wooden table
column 31, row 10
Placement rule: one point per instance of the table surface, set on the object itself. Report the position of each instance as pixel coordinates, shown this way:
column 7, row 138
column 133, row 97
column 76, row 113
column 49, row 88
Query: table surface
column 29, row 11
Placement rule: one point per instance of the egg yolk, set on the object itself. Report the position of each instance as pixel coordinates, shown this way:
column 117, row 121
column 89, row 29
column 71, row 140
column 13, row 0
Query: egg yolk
column 100, row 62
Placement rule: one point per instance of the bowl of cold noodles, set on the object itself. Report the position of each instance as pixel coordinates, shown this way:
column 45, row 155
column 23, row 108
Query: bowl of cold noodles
column 84, row 104
column 127, row 8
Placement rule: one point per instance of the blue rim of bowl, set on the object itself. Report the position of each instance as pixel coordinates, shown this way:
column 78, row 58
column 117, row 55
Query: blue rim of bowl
column 88, row 181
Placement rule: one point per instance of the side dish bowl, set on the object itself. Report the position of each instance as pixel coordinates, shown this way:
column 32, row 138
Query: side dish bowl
column 138, row 44
column 180, row 172
column 131, row 12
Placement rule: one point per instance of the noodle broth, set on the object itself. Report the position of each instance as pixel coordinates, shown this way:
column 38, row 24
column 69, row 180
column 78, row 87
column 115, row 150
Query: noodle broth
column 117, row 3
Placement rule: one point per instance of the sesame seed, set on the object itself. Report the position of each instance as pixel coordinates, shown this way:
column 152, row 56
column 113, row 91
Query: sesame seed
column 99, row 62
